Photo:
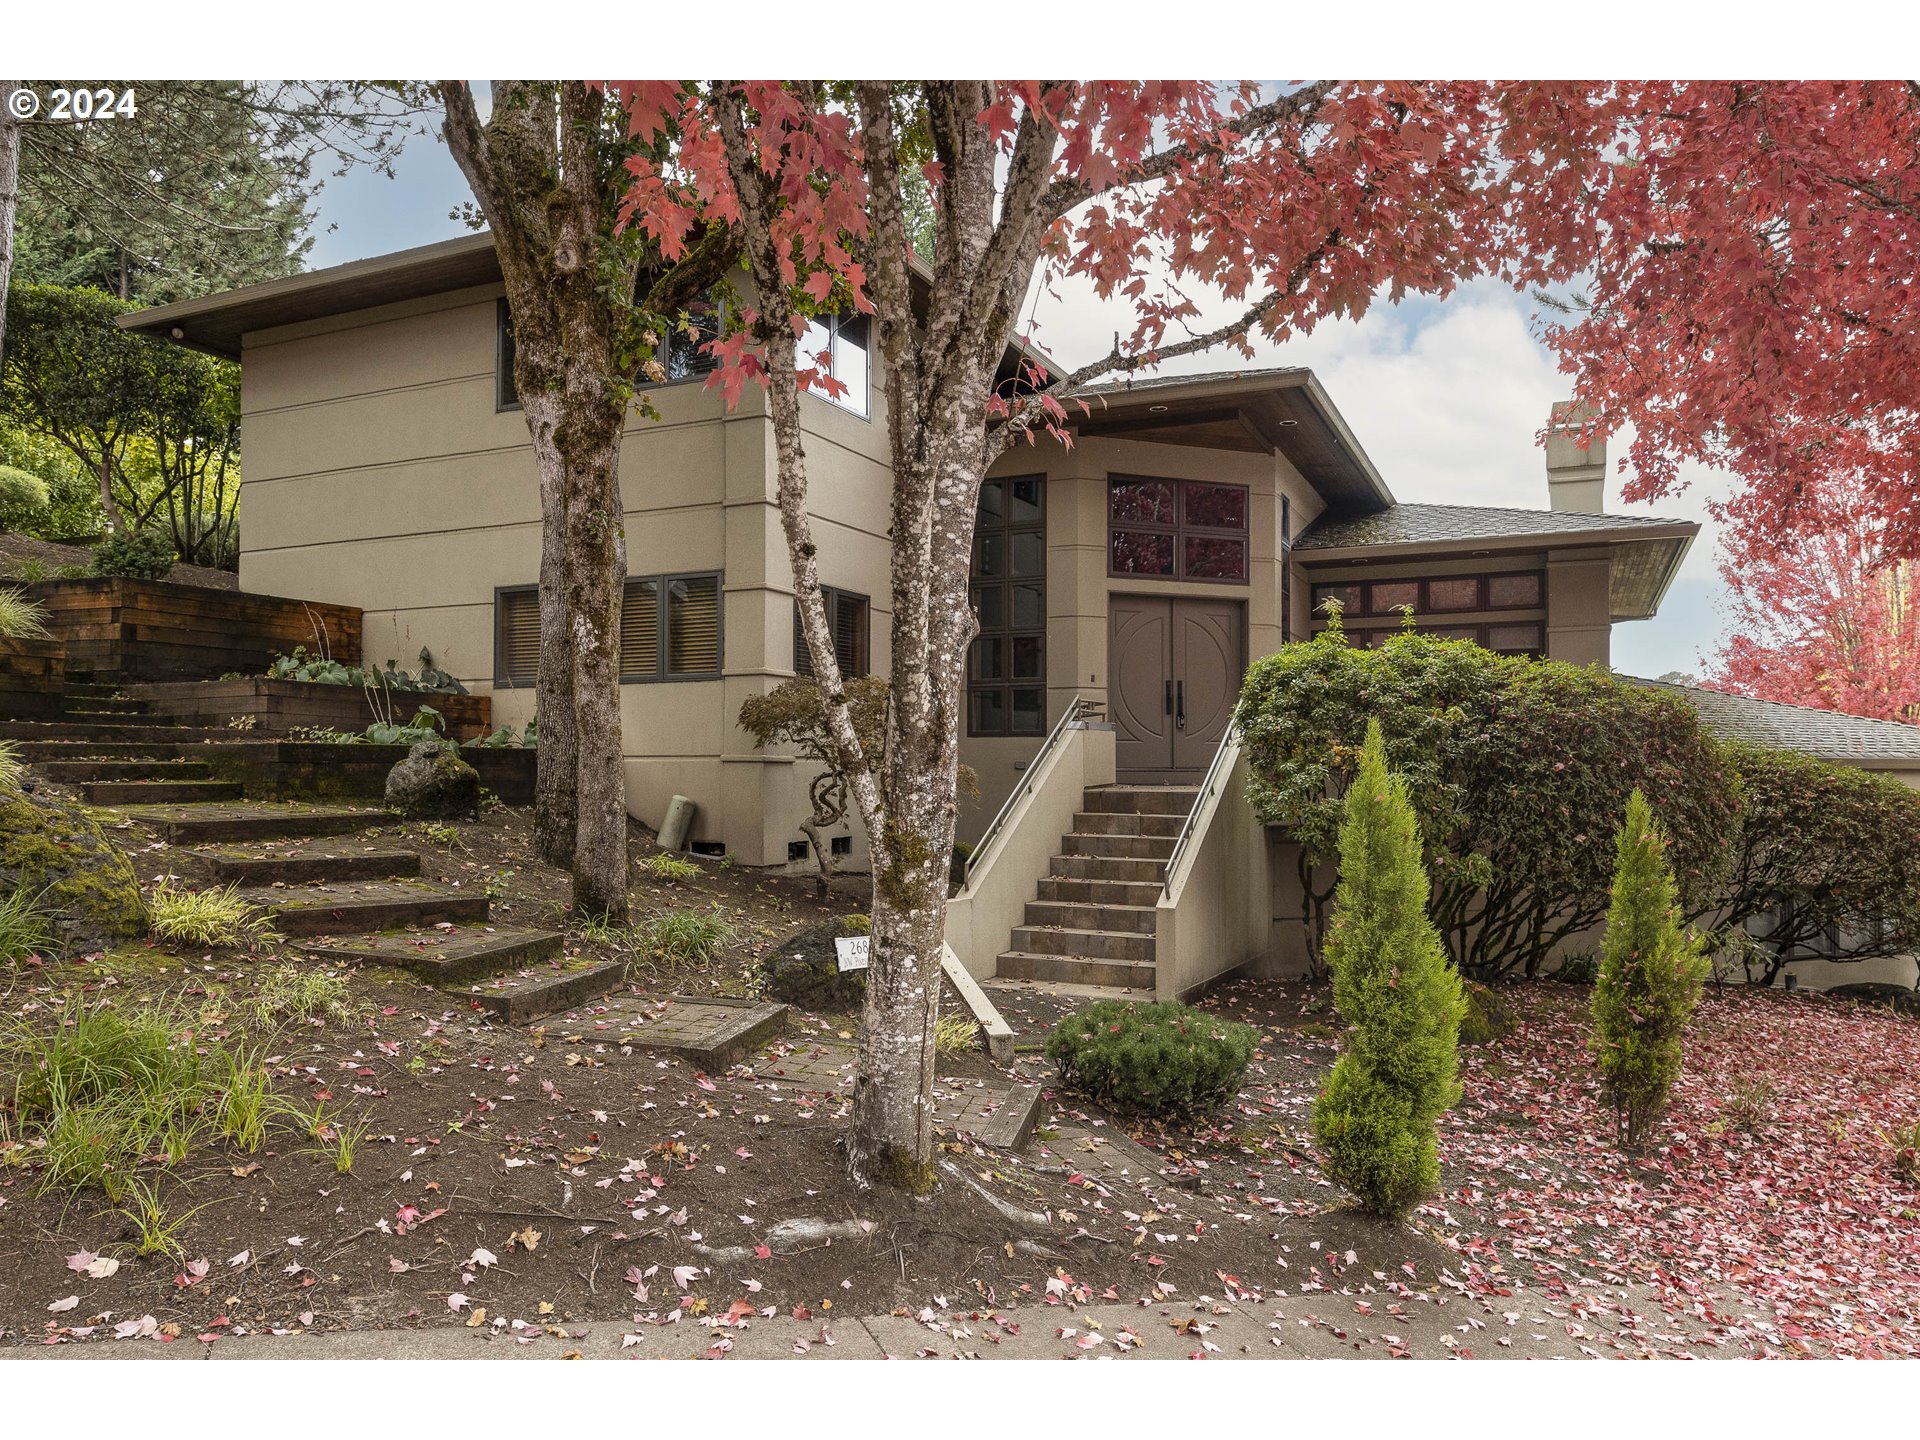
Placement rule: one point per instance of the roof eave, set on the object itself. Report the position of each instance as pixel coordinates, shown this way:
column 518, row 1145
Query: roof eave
column 1545, row 540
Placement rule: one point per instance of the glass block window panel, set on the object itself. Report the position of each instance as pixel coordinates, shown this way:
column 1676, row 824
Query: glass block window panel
column 1459, row 592
column 1141, row 502
column 693, row 625
column 1213, row 557
column 1213, row 507
column 1010, row 539
column 1525, row 639
column 1346, row 598
column 640, row 630
column 516, row 636
column 1515, row 592
column 1142, row 552
column 1387, row 597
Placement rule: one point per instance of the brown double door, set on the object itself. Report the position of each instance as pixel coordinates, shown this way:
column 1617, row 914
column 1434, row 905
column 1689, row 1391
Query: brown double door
column 1173, row 674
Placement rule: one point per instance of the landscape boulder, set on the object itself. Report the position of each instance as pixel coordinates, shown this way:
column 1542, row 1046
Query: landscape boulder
column 805, row 970
column 433, row 783
column 83, row 883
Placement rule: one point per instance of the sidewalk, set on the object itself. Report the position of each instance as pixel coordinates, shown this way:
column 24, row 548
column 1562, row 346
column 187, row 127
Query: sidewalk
column 1317, row 1327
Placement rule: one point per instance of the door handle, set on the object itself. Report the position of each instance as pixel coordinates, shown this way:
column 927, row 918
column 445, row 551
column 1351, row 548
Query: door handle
column 1180, row 705
column 1169, row 697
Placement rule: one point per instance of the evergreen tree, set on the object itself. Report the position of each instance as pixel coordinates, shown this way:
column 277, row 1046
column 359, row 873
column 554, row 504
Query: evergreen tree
column 1377, row 1117
column 1649, row 982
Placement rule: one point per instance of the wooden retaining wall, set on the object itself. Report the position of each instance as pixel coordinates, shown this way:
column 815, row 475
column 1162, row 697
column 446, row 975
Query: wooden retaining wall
column 32, row 677
column 278, row 706
column 114, row 627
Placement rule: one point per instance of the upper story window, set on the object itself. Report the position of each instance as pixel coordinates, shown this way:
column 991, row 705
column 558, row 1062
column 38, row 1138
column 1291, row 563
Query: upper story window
column 506, row 394
column 848, row 619
column 1177, row 529
column 686, row 358
column 1443, row 605
column 844, row 339
column 677, row 641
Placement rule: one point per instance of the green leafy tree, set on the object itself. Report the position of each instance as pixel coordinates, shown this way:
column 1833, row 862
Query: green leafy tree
column 1650, row 975
column 1823, row 867
column 1377, row 1117
column 73, row 496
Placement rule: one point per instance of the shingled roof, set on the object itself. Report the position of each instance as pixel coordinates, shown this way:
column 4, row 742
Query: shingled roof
column 1826, row 734
column 1437, row 524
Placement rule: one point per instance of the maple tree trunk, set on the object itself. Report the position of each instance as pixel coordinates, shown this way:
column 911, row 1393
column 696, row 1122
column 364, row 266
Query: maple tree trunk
column 9, row 198
column 596, row 569
column 556, row 757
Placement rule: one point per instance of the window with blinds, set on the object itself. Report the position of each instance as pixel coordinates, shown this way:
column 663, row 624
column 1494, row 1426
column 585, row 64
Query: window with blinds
column 679, row 642
column 848, row 618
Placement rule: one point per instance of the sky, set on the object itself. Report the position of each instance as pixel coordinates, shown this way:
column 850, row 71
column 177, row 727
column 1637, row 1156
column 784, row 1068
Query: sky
column 1446, row 396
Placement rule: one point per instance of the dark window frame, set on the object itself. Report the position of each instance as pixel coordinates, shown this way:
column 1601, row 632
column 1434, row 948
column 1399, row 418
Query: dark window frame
column 1180, row 530
column 663, row 606
column 832, row 596
column 506, row 392
column 1007, row 632
column 703, row 360
column 842, row 402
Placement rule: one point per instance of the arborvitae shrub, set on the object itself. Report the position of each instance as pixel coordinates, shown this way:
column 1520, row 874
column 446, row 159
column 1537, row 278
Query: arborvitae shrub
column 1165, row 1061
column 1649, row 982
column 1377, row 1118
column 136, row 554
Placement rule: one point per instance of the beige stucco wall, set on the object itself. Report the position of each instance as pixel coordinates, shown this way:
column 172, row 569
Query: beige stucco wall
column 380, row 474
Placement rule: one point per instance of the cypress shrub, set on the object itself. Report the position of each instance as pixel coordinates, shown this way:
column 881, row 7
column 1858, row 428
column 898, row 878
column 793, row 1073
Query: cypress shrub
column 1649, row 981
column 1167, row 1061
column 1377, row 1118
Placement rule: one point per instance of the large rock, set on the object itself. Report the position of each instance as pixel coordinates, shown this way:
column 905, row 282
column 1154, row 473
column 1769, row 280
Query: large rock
column 84, row 884
column 433, row 783
column 805, row 970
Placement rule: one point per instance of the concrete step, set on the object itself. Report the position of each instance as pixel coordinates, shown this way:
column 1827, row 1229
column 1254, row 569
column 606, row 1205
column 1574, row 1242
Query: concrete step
column 541, row 988
column 160, row 792
column 1073, row 970
column 76, row 771
column 1124, row 847
column 1141, row 799
column 1089, row 944
column 352, row 907
column 1100, row 892
column 1104, row 822
column 254, row 820
column 302, row 862
column 1106, row 867
column 457, row 955
column 1073, row 915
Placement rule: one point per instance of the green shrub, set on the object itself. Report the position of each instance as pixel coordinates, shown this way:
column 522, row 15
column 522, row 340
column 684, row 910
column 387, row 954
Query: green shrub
column 206, row 917
column 1579, row 967
column 20, row 618
column 1377, row 1117
column 682, row 937
column 1650, row 976
column 24, row 498
column 1166, row 1061
column 136, row 554
column 670, row 868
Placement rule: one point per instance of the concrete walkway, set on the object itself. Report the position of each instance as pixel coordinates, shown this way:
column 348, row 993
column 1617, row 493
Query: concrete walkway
column 1319, row 1327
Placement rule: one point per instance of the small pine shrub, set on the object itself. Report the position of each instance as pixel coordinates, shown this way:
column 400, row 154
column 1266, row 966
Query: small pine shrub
column 136, row 554
column 1377, row 1117
column 1649, row 982
column 1164, row 1061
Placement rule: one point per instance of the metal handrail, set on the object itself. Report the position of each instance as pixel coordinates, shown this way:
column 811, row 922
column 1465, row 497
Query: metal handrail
column 1081, row 709
column 1208, row 785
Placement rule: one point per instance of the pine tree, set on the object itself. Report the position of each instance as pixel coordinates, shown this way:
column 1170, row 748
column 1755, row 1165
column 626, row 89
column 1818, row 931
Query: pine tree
column 1377, row 1118
column 1649, row 982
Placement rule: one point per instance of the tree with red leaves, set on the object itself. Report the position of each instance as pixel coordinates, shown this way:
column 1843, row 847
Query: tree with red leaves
column 1750, row 297
column 1824, row 615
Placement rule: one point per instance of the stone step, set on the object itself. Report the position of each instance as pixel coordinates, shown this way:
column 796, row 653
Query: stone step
column 456, row 955
column 1089, row 944
column 141, row 730
column 1141, row 799
column 1074, row 970
column 1124, row 847
column 75, row 771
column 160, row 792
column 353, row 907
column 1074, row 915
column 300, row 863
column 1100, row 892
column 1107, row 867
column 1100, row 822
column 251, row 820
column 517, row 996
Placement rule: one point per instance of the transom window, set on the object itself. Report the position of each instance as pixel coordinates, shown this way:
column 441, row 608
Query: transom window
column 1007, row 667
column 1177, row 529
column 1449, row 606
column 844, row 338
column 848, row 619
column 676, row 641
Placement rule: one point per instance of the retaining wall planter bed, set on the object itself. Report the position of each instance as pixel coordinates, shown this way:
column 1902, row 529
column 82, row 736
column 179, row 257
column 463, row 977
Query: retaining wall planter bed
column 278, row 706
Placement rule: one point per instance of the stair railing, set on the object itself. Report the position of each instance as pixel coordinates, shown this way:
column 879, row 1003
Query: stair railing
column 1216, row 776
column 1079, row 712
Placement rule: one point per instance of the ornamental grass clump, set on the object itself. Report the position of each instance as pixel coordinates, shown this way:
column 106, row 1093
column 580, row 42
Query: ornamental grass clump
column 1164, row 1061
column 1377, row 1118
column 1650, row 975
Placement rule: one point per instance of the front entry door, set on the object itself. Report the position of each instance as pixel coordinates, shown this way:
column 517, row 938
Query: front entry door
column 1173, row 674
